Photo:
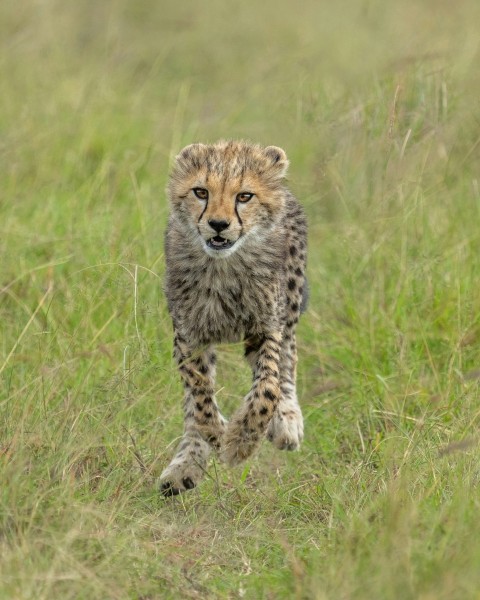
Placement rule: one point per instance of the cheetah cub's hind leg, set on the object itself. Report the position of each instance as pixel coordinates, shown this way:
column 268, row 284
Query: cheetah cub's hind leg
column 285, row 430
column 204, row 424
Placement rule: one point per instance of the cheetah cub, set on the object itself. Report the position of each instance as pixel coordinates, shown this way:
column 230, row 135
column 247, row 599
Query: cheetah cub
column 235, row 251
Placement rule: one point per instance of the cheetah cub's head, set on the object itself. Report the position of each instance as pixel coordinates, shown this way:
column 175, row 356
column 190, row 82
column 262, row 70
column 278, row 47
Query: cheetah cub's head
column 228, row 192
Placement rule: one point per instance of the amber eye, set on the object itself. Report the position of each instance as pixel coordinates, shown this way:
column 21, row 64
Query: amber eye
column 200, row 193
column 244, row 196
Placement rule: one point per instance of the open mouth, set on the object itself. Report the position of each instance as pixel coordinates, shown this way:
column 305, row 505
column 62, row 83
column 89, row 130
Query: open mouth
column 219, row 243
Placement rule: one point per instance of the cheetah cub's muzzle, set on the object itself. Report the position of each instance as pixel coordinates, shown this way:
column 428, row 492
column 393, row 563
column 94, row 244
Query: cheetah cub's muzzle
column 220, row 240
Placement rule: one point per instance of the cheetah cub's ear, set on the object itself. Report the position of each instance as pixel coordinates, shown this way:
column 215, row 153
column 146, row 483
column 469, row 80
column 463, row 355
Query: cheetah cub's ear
column 189, row 157
column 278, row 161
column 190, row 150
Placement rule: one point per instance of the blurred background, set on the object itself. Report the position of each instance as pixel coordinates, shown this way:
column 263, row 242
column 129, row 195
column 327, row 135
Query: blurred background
column 376, row 104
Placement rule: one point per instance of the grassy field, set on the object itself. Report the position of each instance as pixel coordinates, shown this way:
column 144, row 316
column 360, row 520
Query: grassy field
column 377, row 104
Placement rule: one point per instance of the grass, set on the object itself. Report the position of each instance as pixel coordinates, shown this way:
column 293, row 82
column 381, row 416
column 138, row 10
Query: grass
column 376, row 104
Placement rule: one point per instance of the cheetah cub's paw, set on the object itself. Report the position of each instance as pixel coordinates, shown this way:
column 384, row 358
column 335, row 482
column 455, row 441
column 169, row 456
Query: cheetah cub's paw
column 285, row 430
column 240, row 440
column 179, row 478
column 186, row 469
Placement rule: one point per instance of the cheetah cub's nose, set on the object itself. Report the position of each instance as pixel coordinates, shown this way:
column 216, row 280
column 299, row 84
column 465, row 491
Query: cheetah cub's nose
column 218, row 226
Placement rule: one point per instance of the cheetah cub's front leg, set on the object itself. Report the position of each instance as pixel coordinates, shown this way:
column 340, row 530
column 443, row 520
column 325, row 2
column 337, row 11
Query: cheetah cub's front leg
column 248, row 426
column 187, row 467
column 204, row 424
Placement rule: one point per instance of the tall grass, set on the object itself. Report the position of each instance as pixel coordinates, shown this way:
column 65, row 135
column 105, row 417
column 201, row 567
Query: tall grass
column 376, row 104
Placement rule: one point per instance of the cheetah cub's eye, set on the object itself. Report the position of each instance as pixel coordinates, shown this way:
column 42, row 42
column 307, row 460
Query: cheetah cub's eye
column 200, row 193
column 244, row 196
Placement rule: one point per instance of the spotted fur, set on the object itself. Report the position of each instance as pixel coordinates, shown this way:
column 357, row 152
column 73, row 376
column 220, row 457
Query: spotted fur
column 235, row 271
